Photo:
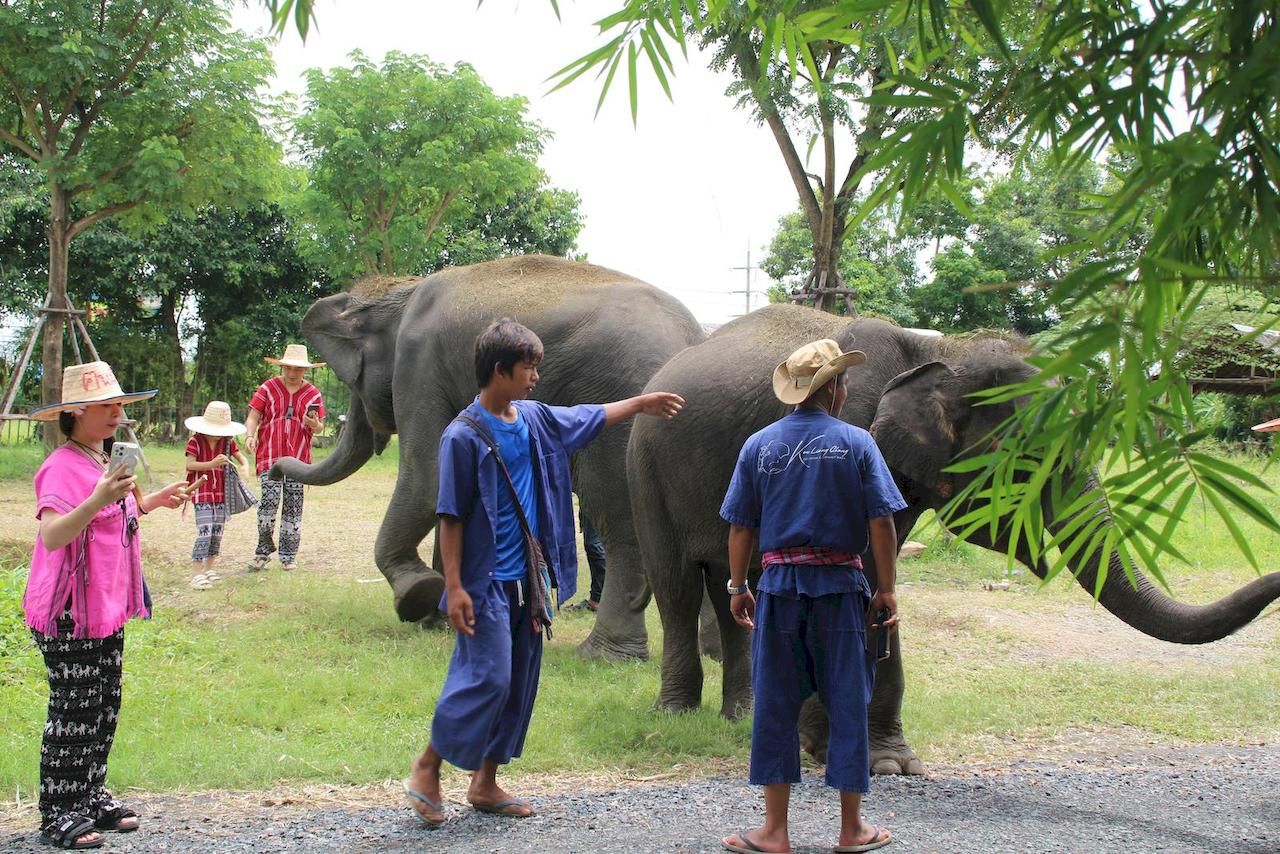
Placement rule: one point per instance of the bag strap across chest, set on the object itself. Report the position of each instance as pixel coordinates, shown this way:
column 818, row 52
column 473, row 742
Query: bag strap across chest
column 497, row 455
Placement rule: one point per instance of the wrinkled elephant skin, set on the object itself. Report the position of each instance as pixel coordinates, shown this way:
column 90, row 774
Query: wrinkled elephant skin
column 912, row 394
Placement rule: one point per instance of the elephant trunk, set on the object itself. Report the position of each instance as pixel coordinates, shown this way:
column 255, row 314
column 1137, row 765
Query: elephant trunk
column 1149, row 610
column 357, row 443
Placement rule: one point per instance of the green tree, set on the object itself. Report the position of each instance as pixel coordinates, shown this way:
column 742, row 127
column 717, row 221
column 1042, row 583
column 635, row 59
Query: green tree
column 876, row 265
column 126, row 107
column 545, row 221
column 249, row 286
column 24, row 255
column 953, row 300
column 189, row 306
column 1006, row 247
column 398, row 151
column 1183, row 93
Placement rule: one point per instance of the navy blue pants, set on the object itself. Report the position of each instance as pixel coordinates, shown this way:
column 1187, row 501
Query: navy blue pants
column 801, row 645
column 487, row 701
column 594, row 547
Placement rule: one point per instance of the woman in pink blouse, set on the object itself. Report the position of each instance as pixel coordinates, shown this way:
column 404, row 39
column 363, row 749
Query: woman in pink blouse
column 85, row 584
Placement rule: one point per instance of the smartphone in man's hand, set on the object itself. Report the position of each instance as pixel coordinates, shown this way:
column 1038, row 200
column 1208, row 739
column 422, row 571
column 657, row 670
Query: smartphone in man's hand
column 879, row 636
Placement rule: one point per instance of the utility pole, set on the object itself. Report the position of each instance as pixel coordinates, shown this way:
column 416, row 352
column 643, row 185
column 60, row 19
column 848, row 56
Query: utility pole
column 747, row 287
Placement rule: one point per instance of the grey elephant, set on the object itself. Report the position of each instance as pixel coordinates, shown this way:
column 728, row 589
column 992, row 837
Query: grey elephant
column 912, row 395
column 408, row 357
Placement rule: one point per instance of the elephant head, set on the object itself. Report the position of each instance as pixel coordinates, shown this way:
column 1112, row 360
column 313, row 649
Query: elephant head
column 926, row 420
column 357, row 337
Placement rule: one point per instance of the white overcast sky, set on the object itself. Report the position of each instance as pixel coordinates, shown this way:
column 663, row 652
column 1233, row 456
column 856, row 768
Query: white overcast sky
column 676, row 200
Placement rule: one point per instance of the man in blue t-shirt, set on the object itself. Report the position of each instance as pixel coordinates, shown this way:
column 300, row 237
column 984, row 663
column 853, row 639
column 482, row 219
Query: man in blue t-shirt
column 818, row 492
column 486, row 704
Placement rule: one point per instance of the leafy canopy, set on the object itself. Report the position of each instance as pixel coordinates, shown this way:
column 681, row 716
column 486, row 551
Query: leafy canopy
column 129, row 101
column 396, row 151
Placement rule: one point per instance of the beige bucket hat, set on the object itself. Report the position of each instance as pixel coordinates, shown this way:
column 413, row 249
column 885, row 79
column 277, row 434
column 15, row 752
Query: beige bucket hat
column 810, row 368
column 216, row 421
column 295, row 356
column 92, row 382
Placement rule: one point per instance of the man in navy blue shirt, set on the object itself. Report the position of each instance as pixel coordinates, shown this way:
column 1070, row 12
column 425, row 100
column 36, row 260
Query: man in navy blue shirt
column 818, row 492
column 486, row 704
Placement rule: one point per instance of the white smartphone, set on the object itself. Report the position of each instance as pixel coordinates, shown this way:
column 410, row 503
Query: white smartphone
column 125, row 455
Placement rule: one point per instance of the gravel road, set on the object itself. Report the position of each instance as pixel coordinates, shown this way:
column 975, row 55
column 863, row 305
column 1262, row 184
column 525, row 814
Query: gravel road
column 1203, row 799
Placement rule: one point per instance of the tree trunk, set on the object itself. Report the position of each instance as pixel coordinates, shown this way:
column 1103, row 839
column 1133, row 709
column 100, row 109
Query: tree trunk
column 825, row 276
column 51, row 358
column 182, row 393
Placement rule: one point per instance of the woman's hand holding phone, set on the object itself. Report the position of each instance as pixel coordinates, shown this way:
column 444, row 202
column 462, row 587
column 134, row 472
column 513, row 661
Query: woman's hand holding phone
column 115, row 484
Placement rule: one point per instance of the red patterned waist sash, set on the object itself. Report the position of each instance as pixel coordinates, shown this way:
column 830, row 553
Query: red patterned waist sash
column 812, row 556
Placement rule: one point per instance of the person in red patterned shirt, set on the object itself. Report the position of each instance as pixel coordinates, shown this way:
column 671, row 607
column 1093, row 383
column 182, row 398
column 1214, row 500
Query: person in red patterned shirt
column 208, row 453
column 284, row 415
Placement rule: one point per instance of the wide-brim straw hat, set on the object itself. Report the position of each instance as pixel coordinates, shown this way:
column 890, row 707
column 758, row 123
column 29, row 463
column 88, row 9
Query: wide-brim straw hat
column 295, row 356
column 82, row 385
column 811, row 367
column 216, row 421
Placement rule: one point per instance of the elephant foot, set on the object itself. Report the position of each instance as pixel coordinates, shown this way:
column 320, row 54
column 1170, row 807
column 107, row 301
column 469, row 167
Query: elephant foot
column 677, row 704
column 735, row 710
column 417, row 595
column 434, row 621
column 599, row 647
column 894, row 757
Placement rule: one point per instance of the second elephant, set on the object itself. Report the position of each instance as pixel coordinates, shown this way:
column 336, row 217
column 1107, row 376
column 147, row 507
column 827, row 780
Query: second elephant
column 913, row 394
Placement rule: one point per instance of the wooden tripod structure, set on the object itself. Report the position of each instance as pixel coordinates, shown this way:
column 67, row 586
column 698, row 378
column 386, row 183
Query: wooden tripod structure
column 75, row 326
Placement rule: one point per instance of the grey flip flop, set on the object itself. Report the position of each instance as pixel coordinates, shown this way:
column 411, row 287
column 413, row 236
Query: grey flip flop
column 878, row 841
column 747, row 846
column 437, row 806
column 504, row 808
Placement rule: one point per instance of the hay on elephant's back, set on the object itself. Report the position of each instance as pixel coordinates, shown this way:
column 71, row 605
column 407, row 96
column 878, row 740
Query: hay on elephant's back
column 536, row 279
column 376, row 286
column 533, row 282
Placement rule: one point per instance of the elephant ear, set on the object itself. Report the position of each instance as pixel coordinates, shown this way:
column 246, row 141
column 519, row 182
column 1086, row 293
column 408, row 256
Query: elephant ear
column 917, row 425
column 333, row 327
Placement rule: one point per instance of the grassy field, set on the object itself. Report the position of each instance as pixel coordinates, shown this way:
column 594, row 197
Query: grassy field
column 283, row 679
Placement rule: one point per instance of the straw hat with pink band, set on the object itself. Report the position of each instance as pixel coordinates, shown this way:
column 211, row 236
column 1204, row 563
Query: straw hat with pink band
column 216, row 421
column 83, row 385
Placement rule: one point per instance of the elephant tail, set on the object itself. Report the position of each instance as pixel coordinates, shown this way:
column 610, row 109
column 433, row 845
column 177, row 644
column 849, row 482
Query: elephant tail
column 357, row 443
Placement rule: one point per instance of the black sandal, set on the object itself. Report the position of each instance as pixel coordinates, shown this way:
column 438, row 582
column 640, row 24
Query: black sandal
column 110, row 814
column 65, row 832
